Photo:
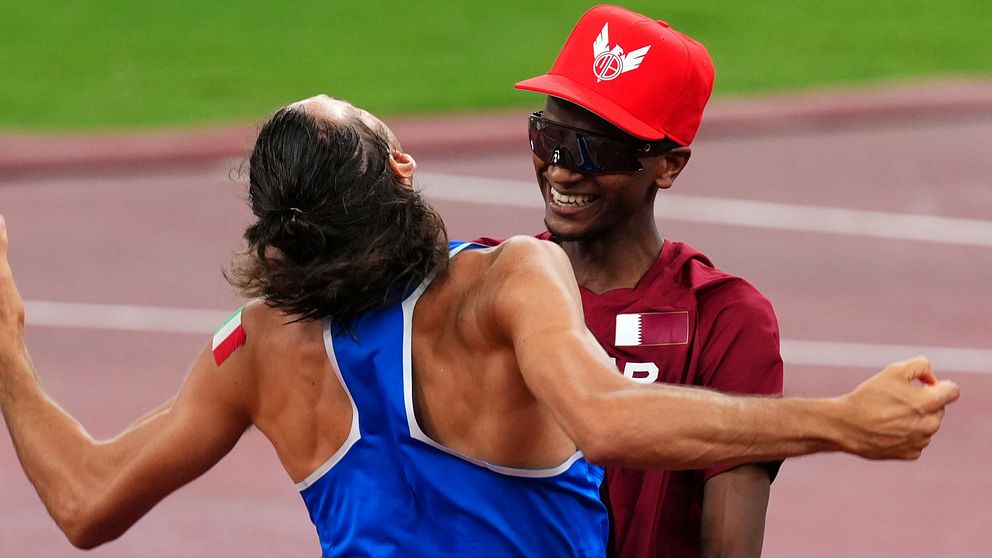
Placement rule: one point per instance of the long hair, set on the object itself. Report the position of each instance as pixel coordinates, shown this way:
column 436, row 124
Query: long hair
column 337, row 234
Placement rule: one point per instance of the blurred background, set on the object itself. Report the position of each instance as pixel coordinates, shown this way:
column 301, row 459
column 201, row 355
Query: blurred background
column 109, row 64
column 843, row 168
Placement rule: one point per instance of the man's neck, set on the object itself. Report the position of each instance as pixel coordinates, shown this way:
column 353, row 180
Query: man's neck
column 615, row 261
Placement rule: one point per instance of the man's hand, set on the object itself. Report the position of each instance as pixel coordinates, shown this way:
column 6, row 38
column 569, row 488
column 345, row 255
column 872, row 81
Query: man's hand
column 11, row 305
column 889, row 416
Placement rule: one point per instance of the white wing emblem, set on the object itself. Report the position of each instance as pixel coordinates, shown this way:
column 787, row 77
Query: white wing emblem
column 602, row 42
column 632, row 60
column 608, row 63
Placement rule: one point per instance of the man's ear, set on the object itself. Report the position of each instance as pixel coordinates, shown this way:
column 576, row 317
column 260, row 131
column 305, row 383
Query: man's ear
column 670, row 165
column 403, row 166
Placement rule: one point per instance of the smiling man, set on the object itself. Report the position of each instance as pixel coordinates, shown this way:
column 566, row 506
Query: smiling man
column 626, row 96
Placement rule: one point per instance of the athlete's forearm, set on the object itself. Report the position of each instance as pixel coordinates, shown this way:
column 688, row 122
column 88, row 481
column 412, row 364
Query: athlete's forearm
column 53, row 448
column 661, row 426
column 68, row 468
column 889, row 416
column 615, row 421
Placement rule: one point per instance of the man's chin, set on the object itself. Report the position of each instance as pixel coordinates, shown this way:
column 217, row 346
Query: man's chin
column 560, row 235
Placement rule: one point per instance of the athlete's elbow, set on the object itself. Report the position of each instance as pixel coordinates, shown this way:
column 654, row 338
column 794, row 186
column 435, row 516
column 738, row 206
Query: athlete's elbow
column 602, row 453
column 85, row 527
column 83, row 530
column 614, row 440
column 601, row 444
column 76, row 527
column 89, row 535
column 84, row 540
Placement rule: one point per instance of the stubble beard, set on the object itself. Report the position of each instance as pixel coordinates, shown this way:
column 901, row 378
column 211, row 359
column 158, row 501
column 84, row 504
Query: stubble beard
column 560, row 237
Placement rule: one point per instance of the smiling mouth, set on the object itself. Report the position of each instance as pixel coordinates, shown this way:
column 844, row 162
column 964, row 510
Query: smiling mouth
column 571, row 200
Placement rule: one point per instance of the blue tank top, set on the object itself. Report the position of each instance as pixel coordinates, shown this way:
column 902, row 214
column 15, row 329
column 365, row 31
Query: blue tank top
column 392, row 491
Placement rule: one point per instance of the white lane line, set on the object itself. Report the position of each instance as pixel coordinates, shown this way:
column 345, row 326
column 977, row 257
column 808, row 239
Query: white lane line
column 745, row 213
column 122, row 317
column 179, row 320
column 871, row 355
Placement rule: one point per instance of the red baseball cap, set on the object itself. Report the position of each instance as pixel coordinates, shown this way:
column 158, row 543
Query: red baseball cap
column 639, row 74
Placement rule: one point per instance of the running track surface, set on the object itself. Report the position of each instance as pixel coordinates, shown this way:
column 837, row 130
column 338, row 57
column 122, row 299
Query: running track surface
column 874, row 242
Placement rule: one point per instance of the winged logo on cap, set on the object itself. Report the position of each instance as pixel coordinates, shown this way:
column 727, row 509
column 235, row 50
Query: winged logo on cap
column 611, row 62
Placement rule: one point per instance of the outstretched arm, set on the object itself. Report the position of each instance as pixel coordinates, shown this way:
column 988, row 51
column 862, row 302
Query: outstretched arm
column 95, row 490
column 616, row 421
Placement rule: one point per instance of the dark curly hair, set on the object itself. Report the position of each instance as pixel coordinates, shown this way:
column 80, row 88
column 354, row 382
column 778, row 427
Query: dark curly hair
column 337, row 233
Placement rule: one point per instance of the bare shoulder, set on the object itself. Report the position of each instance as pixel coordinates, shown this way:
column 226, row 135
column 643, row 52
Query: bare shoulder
column 526, row 257
column 516, row 264
column 531, row 249
column 529, row 278
column 271, row 336
column 491, row 290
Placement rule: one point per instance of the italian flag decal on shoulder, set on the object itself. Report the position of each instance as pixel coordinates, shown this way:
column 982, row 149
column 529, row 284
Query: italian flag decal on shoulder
column 229, row 337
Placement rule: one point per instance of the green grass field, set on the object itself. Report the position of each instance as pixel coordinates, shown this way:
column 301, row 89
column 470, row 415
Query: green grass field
column 116, row 63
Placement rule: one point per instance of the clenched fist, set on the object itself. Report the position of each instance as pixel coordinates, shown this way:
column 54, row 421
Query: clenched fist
column 892, row 416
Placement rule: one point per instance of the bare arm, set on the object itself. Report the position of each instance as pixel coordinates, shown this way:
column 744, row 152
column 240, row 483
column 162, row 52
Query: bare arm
column 95, row 490
column 739, row 354
column 616, row 421
column 733, row 517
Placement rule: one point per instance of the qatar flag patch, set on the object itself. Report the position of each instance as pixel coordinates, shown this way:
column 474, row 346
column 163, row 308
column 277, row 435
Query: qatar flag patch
column 229, row 337
column 656, row 328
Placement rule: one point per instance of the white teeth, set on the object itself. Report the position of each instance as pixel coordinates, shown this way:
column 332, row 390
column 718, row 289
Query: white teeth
column 571, row 200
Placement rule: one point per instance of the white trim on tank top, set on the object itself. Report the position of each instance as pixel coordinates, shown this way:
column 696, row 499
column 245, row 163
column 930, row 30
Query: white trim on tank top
column 353, row 436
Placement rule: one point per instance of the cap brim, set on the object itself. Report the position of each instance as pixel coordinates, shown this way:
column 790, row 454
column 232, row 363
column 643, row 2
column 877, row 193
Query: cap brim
column 570, row 90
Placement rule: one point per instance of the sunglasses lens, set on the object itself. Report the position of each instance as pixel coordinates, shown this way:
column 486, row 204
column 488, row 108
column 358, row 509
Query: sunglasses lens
column 583, row 152
column 613, row 155
column 542, row 142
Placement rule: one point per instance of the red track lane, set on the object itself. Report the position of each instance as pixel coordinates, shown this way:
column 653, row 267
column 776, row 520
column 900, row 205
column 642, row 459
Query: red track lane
column 161, row 238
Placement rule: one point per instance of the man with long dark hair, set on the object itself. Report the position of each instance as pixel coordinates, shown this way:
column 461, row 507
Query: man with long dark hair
column 426, row 399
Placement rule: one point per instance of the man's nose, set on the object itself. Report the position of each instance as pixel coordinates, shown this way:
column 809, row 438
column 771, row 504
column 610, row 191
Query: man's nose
column 560, row 168
column 560, row 174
